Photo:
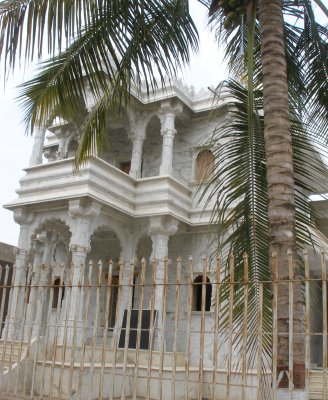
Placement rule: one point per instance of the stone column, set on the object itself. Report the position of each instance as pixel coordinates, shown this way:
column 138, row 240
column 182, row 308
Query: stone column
column 64, row 137
column 48, row 241
column 137, row 133
column 136, row 159
column 127, row 258
column 33, row 297
column 17, row 294
column 83, row 213
column 160, row 229
column 37, row 149
column 167, row 115
column 75, row 301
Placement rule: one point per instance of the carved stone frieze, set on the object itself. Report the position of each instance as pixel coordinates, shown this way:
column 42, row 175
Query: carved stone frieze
column 79, row 249
column 21, row 252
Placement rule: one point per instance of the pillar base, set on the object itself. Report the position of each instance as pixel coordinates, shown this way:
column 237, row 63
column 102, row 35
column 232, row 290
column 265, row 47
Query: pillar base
column 12, row 329
column 297, row 394
column 298, row 376
column 71, row 332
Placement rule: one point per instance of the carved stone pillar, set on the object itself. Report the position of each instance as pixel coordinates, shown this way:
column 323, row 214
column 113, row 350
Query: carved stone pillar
column 75, row 300
column 37, row 149
column 83, row 212
column 47, row 242
column 33, row 297
column 167, row 115
column 137, row 133
column 136, row 159
column 160, row 229
column 17, row 294
column 128, row 259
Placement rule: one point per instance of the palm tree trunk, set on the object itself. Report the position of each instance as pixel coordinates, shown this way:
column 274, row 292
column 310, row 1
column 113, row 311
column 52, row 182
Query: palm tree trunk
column 280, row 178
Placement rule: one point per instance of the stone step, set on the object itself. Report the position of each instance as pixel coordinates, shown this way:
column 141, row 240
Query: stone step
column 11, row 352
column 12, row 342
column 12, row 349
column 317, row 385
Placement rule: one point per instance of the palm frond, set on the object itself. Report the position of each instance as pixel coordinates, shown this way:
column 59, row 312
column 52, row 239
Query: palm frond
column 315, row 66
column 239, row 188
column 120, row 46
column 32, row 27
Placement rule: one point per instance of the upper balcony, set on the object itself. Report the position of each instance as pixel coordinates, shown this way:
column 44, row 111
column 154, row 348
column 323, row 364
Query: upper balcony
column 149, row 166
column 99, row 180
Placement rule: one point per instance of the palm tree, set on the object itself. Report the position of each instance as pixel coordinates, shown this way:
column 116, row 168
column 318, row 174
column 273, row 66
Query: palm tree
column 142, row 39
column 272, row 48
column 280, row 172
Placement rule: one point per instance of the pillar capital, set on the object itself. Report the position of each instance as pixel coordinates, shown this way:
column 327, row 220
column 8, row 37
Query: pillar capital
column 163, row 226
column 83, row 211
column 83, row 208
column 169, row 108
column 138, row 122
column 23, row 216
column 167, row 113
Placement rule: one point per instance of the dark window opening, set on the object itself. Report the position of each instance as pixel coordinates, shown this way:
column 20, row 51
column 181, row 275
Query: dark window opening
column 198, row 294
column 58, row 288
column 125, row 166
column 113, row 302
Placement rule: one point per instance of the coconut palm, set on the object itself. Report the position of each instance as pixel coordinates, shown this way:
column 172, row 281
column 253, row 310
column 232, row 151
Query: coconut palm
column 267, row 213
column 105, row 46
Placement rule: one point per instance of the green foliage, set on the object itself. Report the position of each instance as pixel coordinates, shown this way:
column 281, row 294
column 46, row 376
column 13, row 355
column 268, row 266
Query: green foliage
column 230, row 12
column 102, row 47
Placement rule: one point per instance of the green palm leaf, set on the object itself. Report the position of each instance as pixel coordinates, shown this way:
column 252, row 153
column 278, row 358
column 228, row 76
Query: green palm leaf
column 239, row 189
column 121, row 43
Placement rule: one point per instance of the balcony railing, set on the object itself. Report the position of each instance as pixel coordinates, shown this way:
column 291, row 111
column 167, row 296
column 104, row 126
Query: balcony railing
column 111, row 187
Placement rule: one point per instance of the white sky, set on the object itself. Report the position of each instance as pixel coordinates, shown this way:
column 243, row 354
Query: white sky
column 15, row 148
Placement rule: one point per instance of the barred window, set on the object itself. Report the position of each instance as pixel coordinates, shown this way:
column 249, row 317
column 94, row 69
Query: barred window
column 205, row 163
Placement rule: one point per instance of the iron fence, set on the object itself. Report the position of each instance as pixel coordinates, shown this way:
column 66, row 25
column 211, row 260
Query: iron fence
column 160, row 330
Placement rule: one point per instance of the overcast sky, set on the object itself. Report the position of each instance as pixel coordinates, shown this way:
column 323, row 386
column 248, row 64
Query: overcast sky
column 206, row 69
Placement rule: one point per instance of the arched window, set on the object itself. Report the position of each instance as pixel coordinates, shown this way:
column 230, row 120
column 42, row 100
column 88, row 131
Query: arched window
column 197, row 294
column 205, row 163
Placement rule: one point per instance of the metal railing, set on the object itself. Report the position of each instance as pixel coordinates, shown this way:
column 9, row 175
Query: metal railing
column 159, row 330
